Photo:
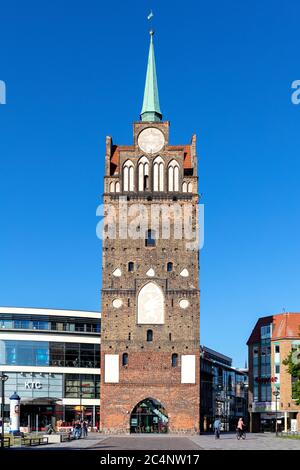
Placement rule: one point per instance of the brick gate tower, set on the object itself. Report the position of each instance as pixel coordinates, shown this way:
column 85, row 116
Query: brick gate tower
column 150, row 366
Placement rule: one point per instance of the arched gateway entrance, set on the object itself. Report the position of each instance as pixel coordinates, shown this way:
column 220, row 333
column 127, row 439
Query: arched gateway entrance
column 149, row 416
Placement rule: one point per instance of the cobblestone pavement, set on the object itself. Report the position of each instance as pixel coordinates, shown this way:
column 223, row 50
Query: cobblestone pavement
column 147, row 443
column 155, row 442
column 252, row 442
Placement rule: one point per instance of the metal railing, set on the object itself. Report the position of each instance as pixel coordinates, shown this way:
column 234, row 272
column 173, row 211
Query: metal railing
column 5, row 442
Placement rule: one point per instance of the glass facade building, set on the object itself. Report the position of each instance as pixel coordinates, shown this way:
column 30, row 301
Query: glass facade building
column 271, row 402
column 224, row 391
column 52, row 359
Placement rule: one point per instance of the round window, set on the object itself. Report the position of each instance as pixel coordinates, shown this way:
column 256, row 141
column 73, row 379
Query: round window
column 184, row 303
column 117, row 303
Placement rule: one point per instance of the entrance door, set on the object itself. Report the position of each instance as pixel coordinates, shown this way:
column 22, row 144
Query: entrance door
column 36, row 417
column 149, row 416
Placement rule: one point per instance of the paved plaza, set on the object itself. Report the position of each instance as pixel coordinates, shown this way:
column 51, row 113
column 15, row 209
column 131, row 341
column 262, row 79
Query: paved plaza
column 161, row 442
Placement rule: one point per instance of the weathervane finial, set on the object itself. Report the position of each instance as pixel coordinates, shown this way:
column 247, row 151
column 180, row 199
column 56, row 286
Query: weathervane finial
column 149, row 18
column 151, row 109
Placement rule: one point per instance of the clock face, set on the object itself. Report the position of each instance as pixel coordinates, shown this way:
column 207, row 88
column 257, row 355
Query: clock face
column 151, row 140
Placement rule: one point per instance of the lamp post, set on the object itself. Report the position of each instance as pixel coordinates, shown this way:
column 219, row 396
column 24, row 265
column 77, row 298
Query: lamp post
column 81, row 410
column 276, row 393
column 213, row 389
column 220, row 409
column 3, row 378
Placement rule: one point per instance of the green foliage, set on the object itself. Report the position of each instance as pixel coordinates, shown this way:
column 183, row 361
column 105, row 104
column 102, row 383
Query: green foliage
column 293, row 367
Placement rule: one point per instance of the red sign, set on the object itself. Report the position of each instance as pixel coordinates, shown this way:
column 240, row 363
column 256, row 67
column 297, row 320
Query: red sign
column 266, row 380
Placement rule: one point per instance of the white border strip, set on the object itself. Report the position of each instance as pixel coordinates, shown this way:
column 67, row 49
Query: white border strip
column 51, row 370
column 50, row 312
column 72, row 338
column 85, row 401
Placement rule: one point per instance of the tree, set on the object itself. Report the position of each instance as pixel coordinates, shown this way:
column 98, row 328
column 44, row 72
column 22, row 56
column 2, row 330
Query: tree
column 293, row 367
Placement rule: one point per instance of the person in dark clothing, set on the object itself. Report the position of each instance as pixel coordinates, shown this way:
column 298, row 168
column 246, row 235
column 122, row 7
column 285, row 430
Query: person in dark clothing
column 77, row 430
column 50, row 429
column 84, row 429
column 217, row 428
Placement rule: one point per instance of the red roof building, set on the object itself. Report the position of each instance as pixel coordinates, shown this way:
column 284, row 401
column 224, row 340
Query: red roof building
column 272, row 401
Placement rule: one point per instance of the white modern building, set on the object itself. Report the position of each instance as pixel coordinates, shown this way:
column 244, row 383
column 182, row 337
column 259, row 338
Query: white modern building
column 52, row 360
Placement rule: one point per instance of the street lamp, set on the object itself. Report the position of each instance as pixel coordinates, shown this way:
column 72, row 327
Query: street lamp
column 81, row 395
column 81, row 410
column 3, row 378
column 276, row 393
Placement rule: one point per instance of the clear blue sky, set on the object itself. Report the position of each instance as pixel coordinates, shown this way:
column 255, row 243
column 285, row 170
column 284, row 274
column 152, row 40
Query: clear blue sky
column 75, row 72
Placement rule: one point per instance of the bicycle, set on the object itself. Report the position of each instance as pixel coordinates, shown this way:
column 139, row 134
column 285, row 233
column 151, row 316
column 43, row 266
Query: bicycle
column 240, row 434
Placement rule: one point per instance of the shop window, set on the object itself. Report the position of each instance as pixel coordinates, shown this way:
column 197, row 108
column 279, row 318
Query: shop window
column 22, row 324
column 40, row 325
column 6, row 324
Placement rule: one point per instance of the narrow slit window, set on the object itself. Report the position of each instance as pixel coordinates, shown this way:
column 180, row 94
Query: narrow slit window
column 150, row 238
column 130, row 266
column 174, row 360
column 170, row 267
column 146, row 182
column 125, row 359
column 149, row 335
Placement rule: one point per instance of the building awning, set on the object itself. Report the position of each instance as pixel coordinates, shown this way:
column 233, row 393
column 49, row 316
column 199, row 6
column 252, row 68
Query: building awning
column 42, row 401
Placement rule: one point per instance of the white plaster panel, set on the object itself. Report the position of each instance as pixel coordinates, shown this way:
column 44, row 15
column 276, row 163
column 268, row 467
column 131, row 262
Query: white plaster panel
column 117, row 272
column 151, row 305
column 188, row 369
column 111, row 368
column 184, row 273
column 150, row 272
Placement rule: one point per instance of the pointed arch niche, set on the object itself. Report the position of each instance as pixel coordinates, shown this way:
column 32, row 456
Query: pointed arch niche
column 151, row 305
column 128, row 176
column 173, row 176
column 143, row 179
column 158, row 174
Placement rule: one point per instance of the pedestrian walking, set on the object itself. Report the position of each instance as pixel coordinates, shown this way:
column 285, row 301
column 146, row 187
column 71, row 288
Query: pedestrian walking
column 84, row 429
column 49, row 429
column 217, row 428
column 240, row 429
column 77, row 430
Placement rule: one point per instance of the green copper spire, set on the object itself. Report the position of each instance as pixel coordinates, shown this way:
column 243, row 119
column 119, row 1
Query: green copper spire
column 151, row 109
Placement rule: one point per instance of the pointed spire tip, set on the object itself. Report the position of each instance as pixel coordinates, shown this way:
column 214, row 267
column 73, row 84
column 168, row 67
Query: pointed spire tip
column 151, row 108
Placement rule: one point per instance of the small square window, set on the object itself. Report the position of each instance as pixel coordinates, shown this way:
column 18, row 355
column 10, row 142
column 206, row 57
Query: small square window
column 150, row 238
column 130, row 267
column 170, row 267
